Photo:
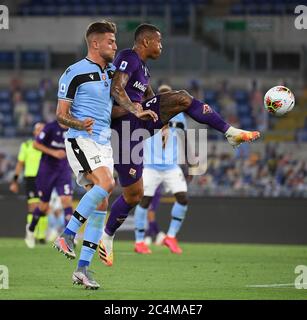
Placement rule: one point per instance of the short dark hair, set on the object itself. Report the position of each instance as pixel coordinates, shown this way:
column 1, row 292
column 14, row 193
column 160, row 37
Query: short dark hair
column 103, row 26
column 144, row 28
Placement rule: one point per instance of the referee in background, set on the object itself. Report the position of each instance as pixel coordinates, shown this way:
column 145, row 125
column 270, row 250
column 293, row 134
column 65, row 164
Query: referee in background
column 28, row 162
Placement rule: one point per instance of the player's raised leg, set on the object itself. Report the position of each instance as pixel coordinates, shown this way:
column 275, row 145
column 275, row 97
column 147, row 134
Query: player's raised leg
column 174, row 102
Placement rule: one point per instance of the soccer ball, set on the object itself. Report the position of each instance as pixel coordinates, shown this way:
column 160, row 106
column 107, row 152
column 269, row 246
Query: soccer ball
column 279, row 100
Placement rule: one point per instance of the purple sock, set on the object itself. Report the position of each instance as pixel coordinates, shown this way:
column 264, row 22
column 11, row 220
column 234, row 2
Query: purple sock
column 203, row 113
column 155, row 200
column 153, row 229
column 67, row 214
column 36, row 215
column 119, row 212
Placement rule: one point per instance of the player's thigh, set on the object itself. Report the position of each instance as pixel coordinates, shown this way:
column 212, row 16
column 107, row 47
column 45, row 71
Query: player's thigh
column 92, row 163
column 152, row 179
column 174, row 180
column 45, row 182
column 172, row 103
column 133, row 193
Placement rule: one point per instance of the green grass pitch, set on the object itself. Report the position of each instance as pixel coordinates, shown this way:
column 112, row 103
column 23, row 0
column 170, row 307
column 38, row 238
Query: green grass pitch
column 203, row 271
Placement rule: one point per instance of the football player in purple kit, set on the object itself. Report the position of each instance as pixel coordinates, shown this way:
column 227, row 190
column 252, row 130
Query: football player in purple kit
column 54, row 172
column 131, row 91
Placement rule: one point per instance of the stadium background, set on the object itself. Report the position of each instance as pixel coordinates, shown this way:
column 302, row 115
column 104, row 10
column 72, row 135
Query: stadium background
column 227, row 52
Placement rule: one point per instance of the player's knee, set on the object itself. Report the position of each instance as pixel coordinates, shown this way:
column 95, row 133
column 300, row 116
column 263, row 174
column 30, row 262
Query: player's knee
column 182, row 198
column 145, row 202
column 134, row 198
column 107, row 185
column 185, row 99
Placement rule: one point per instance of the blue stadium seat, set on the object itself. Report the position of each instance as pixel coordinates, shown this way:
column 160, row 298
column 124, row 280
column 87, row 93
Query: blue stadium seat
column 5, row 95
column 8, row 120
column 31, row 95
column 210, row 96
column 6, row 108
column 241, row 96
column 247, row 123
column 34, row 108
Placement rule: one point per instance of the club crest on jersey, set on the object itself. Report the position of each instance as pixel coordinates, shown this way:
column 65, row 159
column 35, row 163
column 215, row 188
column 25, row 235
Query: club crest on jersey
column 206, row 109
column 96, row 159
column 123, row 65
column 132, row 173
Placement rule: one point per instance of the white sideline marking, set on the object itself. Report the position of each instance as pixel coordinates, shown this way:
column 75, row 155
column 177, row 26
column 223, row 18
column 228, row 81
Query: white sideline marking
column 274, row 285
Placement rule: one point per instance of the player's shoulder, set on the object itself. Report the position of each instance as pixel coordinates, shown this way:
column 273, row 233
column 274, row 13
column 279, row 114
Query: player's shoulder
column 127, row 54
column 76, row 68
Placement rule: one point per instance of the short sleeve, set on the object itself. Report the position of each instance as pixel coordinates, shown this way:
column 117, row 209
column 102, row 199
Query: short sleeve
column 22, row 152
column 126, row 62
column 43, row 136
column 65, row 86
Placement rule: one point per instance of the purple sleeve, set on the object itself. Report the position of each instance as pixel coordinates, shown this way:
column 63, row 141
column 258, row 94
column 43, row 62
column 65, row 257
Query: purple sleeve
column 126, row 62
column 43, row 137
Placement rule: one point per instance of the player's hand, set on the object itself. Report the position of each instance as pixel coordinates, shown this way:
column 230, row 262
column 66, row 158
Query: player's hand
column 147, row 115
column 59, row 154
column 88, row 125
column 14, row 187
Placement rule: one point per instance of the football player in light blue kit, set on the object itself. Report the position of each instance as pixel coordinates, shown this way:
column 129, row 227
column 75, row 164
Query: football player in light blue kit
column 84, row 105
column 161, row 166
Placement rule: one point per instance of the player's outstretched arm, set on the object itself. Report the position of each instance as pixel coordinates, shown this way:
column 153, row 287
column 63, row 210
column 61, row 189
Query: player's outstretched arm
column 65, row 118
column 119, row 93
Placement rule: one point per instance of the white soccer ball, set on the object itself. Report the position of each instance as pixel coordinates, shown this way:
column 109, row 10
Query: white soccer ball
column 279, row 100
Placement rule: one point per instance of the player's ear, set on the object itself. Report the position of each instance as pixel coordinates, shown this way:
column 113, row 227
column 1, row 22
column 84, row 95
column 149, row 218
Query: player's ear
column 145, row 42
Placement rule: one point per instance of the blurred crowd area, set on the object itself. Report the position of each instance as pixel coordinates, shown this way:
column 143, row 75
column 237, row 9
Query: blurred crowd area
column 242, row 173
column 251, row 174
column 21, row 107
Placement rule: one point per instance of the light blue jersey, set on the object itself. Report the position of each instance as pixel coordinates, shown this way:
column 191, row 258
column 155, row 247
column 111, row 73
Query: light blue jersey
column 87, row 86
column 164, row 158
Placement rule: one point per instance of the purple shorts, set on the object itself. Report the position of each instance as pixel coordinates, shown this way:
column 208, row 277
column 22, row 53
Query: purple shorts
column 130, row 169
column 49, row 178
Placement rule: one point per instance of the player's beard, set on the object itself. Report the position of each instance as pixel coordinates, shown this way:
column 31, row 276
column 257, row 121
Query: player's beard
column 108, row 58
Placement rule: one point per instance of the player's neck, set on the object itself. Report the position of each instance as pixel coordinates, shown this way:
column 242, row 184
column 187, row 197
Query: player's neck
column 140, row 53
column 97, row 59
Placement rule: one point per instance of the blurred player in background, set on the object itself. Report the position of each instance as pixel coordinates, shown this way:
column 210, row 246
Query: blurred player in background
column 153, row 229
column 28, row 162
column 53, row 172
column 161, row 166
column 130, row 87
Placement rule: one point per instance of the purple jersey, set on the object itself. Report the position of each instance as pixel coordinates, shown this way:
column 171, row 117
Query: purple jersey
column 129, row 62
column 52, row 136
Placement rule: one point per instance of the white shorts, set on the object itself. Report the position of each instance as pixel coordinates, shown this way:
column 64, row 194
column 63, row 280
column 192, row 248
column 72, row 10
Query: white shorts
column 86, row 155
column 173, row 180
